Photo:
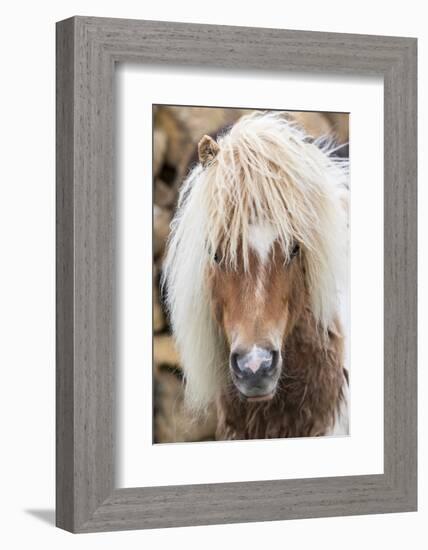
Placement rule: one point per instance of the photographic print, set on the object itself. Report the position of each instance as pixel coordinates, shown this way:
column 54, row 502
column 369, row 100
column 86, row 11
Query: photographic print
column 250, row 274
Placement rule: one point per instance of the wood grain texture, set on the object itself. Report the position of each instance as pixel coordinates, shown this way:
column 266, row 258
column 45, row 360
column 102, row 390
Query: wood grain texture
column 87, row 49
column 64, row 277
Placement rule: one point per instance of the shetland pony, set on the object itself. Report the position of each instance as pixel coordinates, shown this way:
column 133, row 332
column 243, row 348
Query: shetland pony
column 255, row 260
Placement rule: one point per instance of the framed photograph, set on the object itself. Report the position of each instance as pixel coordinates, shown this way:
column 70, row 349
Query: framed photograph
column 236, row 274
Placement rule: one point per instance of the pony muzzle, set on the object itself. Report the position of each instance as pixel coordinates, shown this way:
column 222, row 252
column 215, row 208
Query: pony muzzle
column 255, row 372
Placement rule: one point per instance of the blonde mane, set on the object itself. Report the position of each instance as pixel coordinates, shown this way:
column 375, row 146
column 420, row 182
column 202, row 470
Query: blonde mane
column 266, row 173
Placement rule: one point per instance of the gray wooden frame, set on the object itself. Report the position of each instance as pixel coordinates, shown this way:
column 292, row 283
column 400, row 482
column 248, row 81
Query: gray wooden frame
column 87, row 50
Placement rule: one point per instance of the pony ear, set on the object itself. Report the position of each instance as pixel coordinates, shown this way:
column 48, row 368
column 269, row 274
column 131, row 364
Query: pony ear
column 207, row 150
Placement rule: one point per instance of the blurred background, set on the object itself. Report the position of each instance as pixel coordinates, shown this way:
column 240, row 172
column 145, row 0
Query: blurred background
column 176, row 133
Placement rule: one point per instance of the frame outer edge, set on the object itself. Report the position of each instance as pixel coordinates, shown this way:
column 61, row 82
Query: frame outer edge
column 406, row 265
column 400, row 308
column 94, row 275
column 65, row 57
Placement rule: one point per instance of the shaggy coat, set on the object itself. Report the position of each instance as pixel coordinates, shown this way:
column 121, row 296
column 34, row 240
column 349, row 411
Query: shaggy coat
column 258, row 249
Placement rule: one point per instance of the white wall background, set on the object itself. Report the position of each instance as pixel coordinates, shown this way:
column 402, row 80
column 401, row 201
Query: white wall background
column 27, row 272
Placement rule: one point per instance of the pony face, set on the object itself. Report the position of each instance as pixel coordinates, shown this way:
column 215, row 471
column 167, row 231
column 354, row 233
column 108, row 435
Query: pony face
column 256, row 309
column 259, row 233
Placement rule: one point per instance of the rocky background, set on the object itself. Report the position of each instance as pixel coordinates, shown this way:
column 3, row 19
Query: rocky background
column 176, row 133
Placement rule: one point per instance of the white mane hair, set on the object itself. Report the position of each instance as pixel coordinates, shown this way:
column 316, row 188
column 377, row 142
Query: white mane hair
column 266, row 172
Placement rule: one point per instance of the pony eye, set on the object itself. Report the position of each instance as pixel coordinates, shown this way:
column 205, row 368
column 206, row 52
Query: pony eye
column 295, row 251
column 217, row 258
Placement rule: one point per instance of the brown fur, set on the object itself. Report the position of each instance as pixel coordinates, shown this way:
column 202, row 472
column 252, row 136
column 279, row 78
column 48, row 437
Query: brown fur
column 310, row 389
column 234, row 298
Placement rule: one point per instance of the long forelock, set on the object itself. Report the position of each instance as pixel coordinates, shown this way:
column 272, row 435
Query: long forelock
column 266, row 174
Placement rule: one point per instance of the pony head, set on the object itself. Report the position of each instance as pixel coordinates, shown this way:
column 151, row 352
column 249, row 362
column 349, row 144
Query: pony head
column 258, row 243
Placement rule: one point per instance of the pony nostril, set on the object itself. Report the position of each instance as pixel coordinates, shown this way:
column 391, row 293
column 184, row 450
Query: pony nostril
column 275, row 359
column 234, row 363
column 242, row 362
